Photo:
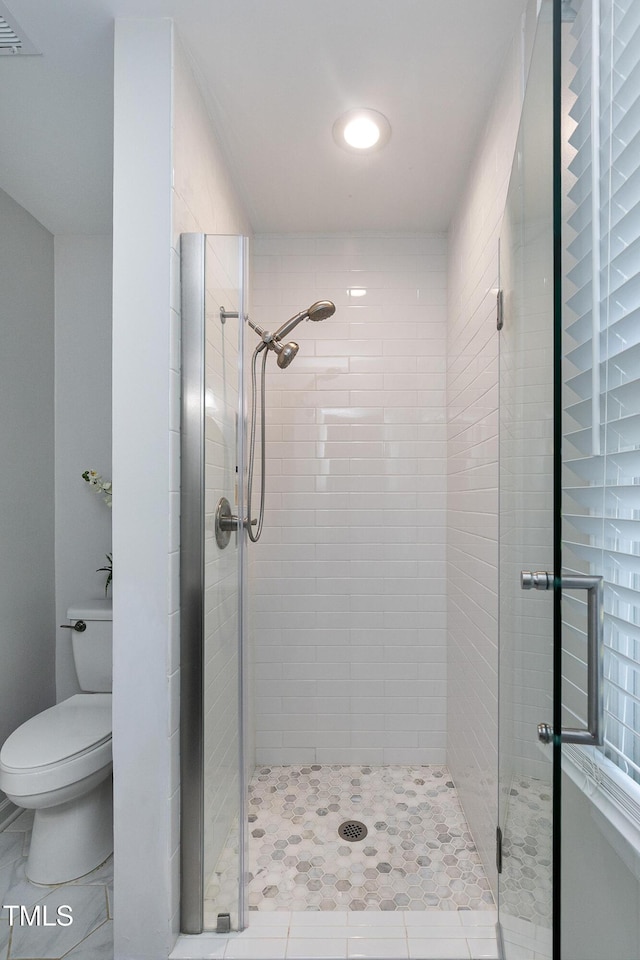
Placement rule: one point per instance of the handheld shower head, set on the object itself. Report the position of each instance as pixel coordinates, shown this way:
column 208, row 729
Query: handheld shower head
column 321, row 310
column 273, row 341
column 317, row 311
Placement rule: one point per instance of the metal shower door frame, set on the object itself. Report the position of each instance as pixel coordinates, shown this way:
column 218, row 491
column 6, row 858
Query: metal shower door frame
column 192, row 262
column 192, row 580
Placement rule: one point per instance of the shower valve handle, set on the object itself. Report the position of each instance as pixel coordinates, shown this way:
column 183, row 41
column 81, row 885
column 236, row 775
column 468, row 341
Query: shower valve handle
column 226, row 522
column 232, row 523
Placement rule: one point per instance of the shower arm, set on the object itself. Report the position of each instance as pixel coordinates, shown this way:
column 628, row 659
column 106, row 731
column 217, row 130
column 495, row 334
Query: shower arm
column 265, row 336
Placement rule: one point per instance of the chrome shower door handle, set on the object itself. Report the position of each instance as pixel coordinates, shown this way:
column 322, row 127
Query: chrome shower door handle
column 594, row 586
column 593, row 734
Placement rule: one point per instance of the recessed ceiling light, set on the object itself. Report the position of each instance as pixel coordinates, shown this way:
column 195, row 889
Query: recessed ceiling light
column 361, row 131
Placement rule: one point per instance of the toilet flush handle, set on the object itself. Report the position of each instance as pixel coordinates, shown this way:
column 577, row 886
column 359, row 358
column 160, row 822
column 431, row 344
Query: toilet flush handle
column 80, row 626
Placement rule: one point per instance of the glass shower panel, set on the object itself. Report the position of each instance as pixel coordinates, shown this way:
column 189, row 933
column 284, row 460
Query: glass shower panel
column 211, row 575
column 222, row 779
column 526, row 425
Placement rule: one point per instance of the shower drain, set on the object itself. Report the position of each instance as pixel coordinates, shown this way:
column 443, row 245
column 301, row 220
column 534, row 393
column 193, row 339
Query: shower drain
column 352, row 830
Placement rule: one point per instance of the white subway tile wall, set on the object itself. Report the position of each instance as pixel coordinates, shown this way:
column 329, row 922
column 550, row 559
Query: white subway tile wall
column 347, row 581
column 472, row 428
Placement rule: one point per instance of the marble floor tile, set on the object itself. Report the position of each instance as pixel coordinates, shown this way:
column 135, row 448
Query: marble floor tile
column 526, row 882
column 22, row 823
column 417, row 855
column 89, row 937
column 4, row 939
column 10, row 848
column 15, row 888
column 89, row 908
column 102, row 874
column 97, row 946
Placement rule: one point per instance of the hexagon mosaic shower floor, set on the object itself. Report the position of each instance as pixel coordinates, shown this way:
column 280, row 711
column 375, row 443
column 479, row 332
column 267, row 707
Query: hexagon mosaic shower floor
column 418, row 853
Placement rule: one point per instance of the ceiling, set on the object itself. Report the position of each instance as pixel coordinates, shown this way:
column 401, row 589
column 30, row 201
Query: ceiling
column 276, row 74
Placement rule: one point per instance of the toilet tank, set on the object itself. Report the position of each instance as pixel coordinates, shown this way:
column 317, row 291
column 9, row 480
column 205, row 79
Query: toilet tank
column 92, row 648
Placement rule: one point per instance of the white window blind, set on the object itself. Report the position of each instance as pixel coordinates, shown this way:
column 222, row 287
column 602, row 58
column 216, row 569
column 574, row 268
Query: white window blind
column 601, row 445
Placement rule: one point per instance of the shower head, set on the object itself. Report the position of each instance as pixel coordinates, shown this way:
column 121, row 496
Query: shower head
column 317, row 311
column 273, row 341
column 321, row 310
column 286, row 352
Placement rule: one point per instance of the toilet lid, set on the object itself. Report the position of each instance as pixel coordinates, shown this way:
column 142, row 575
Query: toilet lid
column 69, row 728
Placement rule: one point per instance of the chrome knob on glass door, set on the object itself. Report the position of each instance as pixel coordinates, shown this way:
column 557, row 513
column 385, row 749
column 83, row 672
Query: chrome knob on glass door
column 543, row 580
column 545, row 733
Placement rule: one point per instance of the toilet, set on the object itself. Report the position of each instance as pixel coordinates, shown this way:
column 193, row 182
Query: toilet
column 59, row 763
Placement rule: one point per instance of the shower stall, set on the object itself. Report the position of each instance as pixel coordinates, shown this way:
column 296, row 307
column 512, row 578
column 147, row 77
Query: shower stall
column 314, row 772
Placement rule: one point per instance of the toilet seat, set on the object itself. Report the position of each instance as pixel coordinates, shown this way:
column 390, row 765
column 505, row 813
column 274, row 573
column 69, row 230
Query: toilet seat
column 60, row 746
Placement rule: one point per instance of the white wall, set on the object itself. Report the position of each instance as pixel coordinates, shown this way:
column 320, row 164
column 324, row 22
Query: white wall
column 205, row 197
column 145, row 620
column 82, row 429
column 472, row 402
column 601, row 874
column 27, row 609
column 347, row 582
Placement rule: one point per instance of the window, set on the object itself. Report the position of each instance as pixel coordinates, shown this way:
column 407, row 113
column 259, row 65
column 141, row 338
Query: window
column 601, row 444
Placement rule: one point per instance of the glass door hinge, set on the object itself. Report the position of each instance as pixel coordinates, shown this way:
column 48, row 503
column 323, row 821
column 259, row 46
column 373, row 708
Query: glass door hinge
column 499, row 849
column 499, row 310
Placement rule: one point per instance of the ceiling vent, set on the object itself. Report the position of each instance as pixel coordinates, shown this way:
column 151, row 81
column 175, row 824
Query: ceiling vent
column 13, row 41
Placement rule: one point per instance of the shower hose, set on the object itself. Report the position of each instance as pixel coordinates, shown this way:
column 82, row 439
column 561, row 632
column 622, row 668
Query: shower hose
column 261, row 348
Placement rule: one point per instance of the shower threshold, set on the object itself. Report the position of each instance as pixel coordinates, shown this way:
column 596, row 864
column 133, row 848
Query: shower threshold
column 343, row 934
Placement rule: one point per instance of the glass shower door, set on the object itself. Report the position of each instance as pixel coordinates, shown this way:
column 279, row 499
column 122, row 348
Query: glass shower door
column 526, row 430
column 569, row 811
column 212, row 559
